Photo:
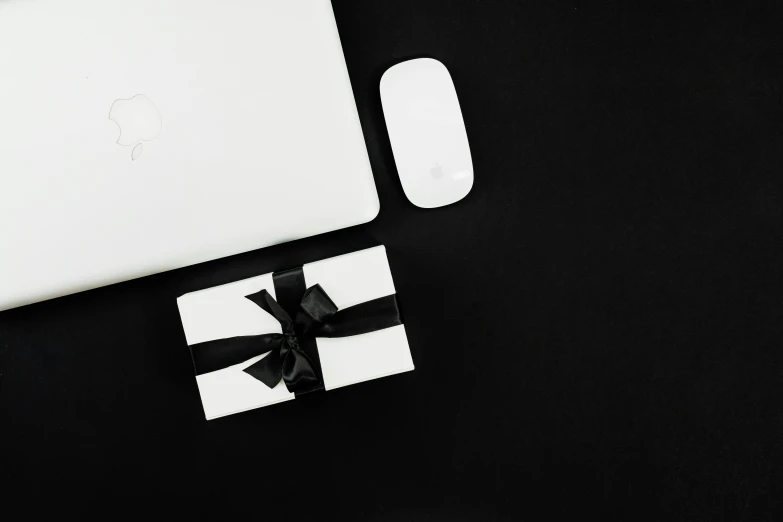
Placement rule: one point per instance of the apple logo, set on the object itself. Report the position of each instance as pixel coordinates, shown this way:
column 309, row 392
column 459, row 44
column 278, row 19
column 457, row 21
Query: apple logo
column 138, row 119
column 436, row 171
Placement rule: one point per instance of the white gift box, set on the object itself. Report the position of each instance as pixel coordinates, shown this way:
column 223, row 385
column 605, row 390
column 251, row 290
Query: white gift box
column 223, row 311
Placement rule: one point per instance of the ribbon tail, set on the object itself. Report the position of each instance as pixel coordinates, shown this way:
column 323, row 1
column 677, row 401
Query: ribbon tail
column 270, row 306
column 268, row 370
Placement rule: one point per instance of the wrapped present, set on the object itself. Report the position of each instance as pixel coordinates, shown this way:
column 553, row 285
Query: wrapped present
column 273, row 337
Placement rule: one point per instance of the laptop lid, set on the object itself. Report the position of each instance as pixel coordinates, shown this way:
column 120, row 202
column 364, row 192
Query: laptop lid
column 138, row 137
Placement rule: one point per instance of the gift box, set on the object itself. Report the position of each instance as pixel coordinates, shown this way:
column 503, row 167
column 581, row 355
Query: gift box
column 270, row 338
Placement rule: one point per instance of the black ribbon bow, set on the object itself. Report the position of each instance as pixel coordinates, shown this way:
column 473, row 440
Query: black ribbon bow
column 293, row 354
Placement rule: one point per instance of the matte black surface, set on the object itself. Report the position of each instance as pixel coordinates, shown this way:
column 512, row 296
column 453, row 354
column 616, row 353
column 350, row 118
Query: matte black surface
column 596, row 328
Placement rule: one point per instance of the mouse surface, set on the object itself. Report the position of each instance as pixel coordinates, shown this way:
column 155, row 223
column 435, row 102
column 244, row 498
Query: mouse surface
column 427, row 132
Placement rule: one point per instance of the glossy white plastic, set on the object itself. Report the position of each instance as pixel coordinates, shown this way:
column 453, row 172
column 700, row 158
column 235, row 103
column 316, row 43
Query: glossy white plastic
column 427, row 132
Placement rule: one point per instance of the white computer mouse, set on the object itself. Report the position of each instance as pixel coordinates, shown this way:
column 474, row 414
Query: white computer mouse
column 427, row 132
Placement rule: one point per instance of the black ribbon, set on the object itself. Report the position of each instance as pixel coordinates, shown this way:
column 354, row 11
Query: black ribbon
column 293, row 354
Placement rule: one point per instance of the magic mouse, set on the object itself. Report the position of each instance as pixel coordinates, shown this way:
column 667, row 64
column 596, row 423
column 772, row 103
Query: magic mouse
column 427, row 132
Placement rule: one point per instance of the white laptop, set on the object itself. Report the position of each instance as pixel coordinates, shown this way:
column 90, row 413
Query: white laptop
column 143, row 136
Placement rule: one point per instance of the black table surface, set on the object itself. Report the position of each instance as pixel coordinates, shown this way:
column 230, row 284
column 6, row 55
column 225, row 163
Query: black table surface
column 596, row 328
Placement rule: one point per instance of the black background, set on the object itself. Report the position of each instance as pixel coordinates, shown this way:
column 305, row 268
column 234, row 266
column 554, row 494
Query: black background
column 596, row 328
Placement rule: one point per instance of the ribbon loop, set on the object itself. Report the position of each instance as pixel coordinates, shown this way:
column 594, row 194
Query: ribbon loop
column 366, row 317
column 315, row 309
